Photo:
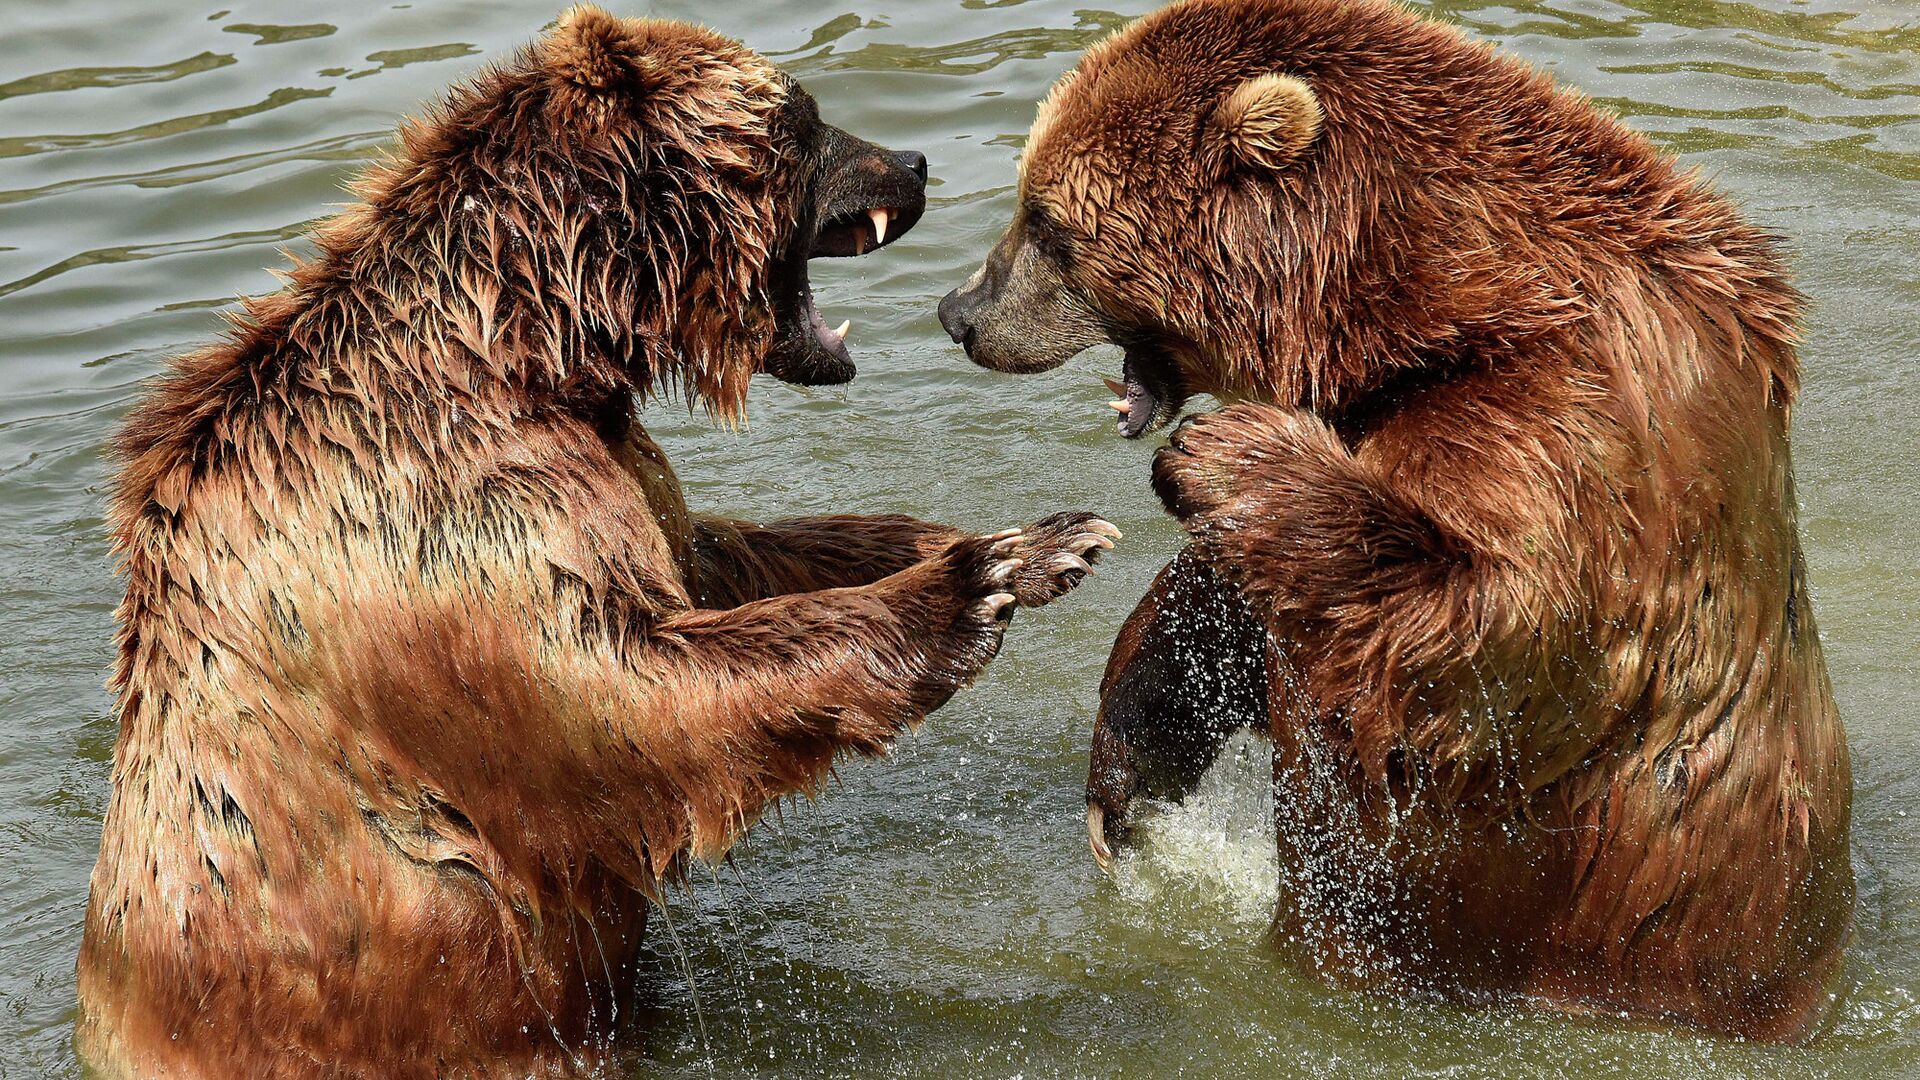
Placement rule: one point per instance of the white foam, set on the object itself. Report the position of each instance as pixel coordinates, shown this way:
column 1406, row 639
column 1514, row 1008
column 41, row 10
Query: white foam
column 1216, row 848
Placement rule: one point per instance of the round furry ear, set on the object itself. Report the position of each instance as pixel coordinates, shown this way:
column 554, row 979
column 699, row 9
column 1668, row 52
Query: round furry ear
column 592, row 49
column 1266, row 122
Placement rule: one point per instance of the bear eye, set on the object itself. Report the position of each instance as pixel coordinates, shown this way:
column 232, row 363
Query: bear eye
column 798, row 117
column 1053, row 239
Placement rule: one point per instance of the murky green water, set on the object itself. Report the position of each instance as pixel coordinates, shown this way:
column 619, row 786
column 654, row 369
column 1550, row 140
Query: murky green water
column 936, row 914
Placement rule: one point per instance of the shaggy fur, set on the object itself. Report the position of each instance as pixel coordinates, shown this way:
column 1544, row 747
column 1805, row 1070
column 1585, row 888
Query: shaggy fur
column 428, row 679
column 1507, row 489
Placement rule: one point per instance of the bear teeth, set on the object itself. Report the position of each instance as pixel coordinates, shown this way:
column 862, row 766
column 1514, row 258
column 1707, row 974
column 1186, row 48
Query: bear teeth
column 881, row 219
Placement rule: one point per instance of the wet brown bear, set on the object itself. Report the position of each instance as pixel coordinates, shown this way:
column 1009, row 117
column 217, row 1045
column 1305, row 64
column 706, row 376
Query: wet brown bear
column 1498, row 541
column 428, row 678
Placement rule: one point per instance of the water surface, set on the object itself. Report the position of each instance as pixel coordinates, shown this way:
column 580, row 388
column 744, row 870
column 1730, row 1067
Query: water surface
column 936, row 914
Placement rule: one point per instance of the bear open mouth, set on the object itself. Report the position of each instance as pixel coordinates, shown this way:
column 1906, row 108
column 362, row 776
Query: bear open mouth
column 850, row 234
column 815, row 352
column 856, row 232
column 1149, row 395
column 831, row 339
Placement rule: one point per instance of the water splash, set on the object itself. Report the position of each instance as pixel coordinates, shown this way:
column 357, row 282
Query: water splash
column 1213, row 850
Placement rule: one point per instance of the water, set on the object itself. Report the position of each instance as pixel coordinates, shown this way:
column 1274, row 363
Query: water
column 936, row 914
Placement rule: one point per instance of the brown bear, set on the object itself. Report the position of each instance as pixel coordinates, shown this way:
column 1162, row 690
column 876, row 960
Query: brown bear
column 1496, row 534
column 428, row 679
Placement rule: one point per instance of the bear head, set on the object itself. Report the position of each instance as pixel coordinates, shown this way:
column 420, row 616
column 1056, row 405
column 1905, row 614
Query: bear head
column 645, row 195
column 1293, row 201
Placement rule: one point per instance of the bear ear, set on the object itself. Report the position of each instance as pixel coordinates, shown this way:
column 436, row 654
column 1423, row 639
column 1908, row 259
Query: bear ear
column 594, row 50
column 1266, row 122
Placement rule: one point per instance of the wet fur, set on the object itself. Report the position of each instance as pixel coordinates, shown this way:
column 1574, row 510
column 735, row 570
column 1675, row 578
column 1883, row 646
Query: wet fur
column 1509, row 492
column 428, row 678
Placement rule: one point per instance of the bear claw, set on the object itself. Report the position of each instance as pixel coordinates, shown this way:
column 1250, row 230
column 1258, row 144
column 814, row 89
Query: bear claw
column 1068, row 562
column 1060, row 551
column 1096, row 836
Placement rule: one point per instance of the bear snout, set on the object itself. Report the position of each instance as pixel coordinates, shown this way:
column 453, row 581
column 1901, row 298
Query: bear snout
column 957, row 310
column 914, row 162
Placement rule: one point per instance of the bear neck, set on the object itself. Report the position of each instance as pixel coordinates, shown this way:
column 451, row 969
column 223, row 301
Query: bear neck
column 424, row 301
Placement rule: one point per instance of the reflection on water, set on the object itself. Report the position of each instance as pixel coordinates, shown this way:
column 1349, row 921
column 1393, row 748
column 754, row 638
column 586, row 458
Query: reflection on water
column 937, row 914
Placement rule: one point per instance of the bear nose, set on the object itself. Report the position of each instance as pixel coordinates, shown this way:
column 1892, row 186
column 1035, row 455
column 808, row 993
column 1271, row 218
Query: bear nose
column 913, row 161
column 956, row 311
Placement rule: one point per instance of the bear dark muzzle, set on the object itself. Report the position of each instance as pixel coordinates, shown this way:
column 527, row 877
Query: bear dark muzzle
column 869, row 197
column 866, row 197
column 1018, row 314
column 956, row 314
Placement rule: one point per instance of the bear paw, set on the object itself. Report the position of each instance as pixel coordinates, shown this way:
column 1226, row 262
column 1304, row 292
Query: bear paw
column 981, row 571
column 1211, row 459
column 1056, row 552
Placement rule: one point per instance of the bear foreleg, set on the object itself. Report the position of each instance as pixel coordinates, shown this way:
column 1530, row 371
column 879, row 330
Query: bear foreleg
column 738, row 562
column 1361, row 588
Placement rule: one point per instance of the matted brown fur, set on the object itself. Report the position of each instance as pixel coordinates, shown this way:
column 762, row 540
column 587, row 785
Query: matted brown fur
column 1508, row 488
column 427, row 676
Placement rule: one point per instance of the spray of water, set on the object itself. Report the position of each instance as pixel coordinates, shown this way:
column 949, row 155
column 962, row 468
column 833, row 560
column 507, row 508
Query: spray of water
column 1215, row 848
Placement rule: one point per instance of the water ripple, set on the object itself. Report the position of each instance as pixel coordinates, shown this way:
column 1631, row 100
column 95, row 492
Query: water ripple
column 21, row 146
column 266, row 34
column 139, row 252
column 353, row 146
column 95, row 77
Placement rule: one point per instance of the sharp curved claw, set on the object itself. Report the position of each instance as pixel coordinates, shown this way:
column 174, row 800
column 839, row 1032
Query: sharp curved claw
column 1083, row 544
column 997, row 603
column 1066, row 562
column 1097, row 836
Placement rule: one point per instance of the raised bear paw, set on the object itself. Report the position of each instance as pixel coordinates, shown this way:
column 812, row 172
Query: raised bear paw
column 985, row 569
column 1212, row 458
column 1056, row 552
column 960, row 602
column 989, row 576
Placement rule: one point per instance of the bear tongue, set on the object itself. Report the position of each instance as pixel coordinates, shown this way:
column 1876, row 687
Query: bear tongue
column 1136, row 405
column 834, row 341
